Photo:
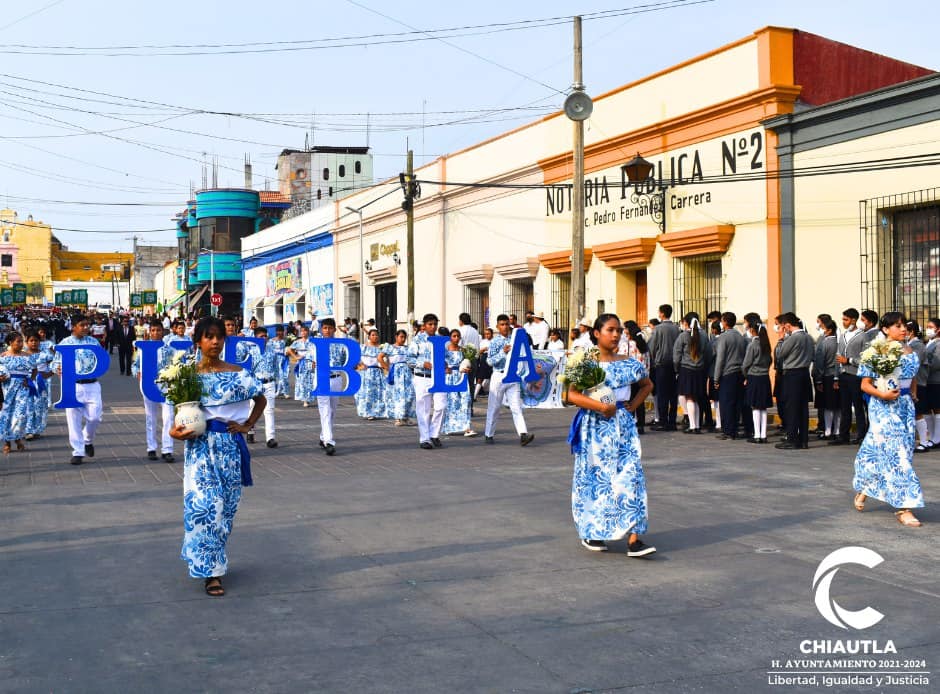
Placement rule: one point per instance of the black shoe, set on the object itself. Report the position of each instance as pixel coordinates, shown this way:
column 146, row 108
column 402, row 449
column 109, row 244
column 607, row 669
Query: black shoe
column 638, row 548
column 753, row 440
column 723, row 437
column 855, row 442
column 330, row 449
column 89, row 450
column 251, row 438
column 151, row 455
column 168, row 458
column 762, row 441
column 76, row 460
column 838, row 442
column 437, row 443
column 657, row 427
column 322, row 445
column 272, row 443
column 426, row 445
column 594, row 545
column 526, row 439
column 791, row 446
column 488, row 439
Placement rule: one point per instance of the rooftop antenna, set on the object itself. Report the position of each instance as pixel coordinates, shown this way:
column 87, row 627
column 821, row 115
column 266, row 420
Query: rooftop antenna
column 215, row 171
column 424, row 103
column 248, row 181
column 205, row 171
column 368, row 127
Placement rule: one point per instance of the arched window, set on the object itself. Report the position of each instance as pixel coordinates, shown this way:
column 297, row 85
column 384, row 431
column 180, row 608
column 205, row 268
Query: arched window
column 342, row 170
column 319, row 194
column 326, row 173
column 330, row 192
column 358, row 167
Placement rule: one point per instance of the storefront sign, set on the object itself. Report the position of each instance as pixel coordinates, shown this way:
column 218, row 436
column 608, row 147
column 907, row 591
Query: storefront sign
column 321, row 300
column 137, row 300
column 378, row 250
column 283, row 276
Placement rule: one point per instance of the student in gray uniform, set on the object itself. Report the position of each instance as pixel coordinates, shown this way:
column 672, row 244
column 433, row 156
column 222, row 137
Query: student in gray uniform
column 933, row 382
column 729, row 356
column 756, row 371
column 849, row 384
column 825, row 369
column 692, row 355
column 664, row 370
column 778, row 393
column 918, row 347
column 797, row 355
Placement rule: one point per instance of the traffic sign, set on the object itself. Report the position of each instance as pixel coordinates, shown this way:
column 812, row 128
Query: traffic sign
column 215, row 299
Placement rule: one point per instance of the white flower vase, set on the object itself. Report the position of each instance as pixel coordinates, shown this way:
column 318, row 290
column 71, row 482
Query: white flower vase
column 465, row 365
column 191, row 416
column 601, row 393
column 890, row 382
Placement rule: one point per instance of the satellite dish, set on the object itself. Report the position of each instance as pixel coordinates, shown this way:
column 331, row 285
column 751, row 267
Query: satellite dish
column 578, row 106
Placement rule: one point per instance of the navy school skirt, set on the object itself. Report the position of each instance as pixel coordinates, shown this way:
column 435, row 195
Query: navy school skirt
column 759, row 396
column 691, row 382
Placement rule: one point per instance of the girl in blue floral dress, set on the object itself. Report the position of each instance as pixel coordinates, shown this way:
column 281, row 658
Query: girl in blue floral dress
column 304, row 381
column 457, row 414
column 399, row 391
column 608, row 492
column 370, row 400
column 38, row 412
column 17, row 372
column 216, row 463
column 884, row 467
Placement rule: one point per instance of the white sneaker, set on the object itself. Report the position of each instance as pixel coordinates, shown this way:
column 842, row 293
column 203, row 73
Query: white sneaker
column 470, row 433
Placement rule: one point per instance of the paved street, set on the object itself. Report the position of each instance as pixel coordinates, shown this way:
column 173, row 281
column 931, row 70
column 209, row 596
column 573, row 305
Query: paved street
column 392, row 569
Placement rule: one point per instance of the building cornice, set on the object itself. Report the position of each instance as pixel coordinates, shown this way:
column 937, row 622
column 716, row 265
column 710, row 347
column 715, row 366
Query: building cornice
column 620, row 255
column 703, row 241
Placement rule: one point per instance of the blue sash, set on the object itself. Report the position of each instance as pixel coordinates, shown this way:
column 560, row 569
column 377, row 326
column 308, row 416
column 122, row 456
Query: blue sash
column 41, row 385
column 574, row 431
column 391, row 372
column 220, row 426
column 29, row 383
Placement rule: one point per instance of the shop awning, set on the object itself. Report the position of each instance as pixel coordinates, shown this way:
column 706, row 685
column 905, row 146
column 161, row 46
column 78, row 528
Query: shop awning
column 175, row 300
column 272, row 300
column 294, row 297
column 255, row 303
column 196, row 295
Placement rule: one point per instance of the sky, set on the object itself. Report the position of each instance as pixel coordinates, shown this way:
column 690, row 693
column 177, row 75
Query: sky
column 104, row 134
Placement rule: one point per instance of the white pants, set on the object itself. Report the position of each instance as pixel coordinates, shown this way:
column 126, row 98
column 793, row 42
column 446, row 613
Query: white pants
column 269, row 390
column 513, row 395
column 89, row 395
column 327, row 409
column 429, row 409
column 151, row 411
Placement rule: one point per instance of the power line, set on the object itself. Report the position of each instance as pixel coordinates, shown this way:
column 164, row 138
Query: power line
column 33, row 13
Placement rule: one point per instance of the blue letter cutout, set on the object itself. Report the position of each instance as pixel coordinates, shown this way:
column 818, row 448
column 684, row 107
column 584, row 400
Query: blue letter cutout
column 148, row 368
column 439, row 362
column 69, row 376
column 322, row 346
column 231, row 350
column 521, row 351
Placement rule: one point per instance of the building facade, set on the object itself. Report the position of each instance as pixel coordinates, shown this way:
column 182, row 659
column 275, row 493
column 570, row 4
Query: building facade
column 706, row 230
column 318, row 176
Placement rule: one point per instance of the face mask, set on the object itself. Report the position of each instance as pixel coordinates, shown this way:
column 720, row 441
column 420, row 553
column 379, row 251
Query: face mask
column 931, row 333
column 778, row 328
column 860, row 325
column 821, row 330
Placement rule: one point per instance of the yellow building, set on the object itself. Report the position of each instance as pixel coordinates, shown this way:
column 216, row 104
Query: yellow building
column 31, row 253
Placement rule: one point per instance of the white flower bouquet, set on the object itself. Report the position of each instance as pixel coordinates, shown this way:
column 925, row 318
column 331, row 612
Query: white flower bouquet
column 583, row 371
column 469, row 354
column 883, row 357
column 183, row 388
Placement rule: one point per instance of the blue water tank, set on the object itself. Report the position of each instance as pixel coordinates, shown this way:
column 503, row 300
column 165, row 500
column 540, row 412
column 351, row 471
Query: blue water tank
column 228, row 202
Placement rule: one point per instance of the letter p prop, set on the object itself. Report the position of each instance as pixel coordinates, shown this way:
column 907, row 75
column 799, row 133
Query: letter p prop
column 69, row 376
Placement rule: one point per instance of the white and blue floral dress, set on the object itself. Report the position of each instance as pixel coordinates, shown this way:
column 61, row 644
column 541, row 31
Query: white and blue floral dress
column 16, row 395
column 212, row 473
column 608, row 492
column 457, row 413
column 370, row 400
column 38, row 405
column 884, row 467
column 304, row 372
column 399, row 391
column 283, row 366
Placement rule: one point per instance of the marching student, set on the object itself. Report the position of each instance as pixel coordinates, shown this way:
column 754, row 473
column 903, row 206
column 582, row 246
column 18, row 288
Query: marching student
column 661, row 346
column 778, row 391
column 18, row 371
column 400, row 392
column 608, row 492
column 712, row 406
column 279, row 345
column 264, row 369
column 756, row 371
column 797, row 355
column 429, row 407
column 39, row 402
column 327, row 403
column 177, row 332
column 691, row 353
column 370, row 400
column 933, row 382
column 730, row 347
column 825, row 369
column 498, row 357
column 304, row 375
column 849, row 384
column 250, row 330
column 87, row 392
column 919, row 394
column 457, row 414
column 483, row 369
column 153, row 410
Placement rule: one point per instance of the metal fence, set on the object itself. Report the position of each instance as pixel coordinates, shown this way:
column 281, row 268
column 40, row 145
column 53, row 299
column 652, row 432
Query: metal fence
column 698, row 285
column 900, row 253
column 561, row 302
column 476, row 301
column 518, row 297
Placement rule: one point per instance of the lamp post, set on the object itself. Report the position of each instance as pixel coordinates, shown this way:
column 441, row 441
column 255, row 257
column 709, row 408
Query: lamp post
column 213, row 311
column 638, row 171
column 358, row 211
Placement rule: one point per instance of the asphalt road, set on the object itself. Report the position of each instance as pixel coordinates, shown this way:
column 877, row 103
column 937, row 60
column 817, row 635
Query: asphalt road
column 392, row 569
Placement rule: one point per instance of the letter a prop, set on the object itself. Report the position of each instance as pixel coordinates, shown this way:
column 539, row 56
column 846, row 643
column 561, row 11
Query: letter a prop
column 521, row 351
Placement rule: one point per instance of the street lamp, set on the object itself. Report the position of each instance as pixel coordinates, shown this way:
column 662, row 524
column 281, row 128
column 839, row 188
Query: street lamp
column 358, row 211
column 213, row 309
column 638, row 171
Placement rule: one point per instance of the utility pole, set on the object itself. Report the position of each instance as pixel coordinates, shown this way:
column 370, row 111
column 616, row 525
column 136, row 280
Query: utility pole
column 576, row 297
column 410, row 194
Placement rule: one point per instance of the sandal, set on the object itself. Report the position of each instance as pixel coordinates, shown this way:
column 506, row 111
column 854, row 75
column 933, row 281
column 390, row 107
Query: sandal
column 921, row 448
column 20, row 446
column 911, row 520
column 859, row 502
column 6, row 447
column 214, row 587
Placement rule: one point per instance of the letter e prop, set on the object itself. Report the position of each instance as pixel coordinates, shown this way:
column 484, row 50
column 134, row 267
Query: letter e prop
column 231, row 350
column 69, row 377
column 439, row 363
column 521, row 351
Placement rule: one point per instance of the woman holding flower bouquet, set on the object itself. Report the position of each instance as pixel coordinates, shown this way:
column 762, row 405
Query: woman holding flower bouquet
column 457, row 414
column 216, row 461
column 370, row 400
column 884, row 465
column 608, row 493
column 399, row 391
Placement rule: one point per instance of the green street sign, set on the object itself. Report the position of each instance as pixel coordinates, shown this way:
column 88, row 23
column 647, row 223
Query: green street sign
column 80, row 297
column 136, row 300
column 67, row 297
column 6, row 297
column 58, row 298
column 19, row 296
column 150, row 297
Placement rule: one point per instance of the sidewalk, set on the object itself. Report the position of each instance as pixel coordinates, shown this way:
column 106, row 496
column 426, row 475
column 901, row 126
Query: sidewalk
column 391, row 569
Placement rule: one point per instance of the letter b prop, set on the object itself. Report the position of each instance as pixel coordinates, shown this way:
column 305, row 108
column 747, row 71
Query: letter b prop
column 322, row 346
column 69, row 377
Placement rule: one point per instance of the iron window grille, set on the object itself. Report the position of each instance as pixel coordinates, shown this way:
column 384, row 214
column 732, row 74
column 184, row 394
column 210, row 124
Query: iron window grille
column 561, row 301
column 519, row 297
column 476, row 300
column 900, row 253
column 697, row 285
